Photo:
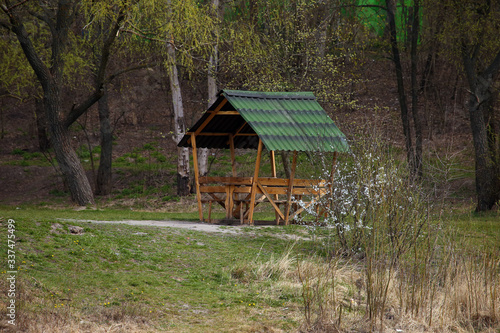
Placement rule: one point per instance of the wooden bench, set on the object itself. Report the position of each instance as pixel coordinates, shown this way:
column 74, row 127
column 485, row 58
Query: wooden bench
column 234, row 192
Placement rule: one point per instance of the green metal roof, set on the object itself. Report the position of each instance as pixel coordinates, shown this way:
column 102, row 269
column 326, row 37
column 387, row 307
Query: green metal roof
column 282, row 120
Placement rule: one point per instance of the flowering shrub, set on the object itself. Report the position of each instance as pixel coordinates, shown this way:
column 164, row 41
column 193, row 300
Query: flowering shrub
column 371, row 194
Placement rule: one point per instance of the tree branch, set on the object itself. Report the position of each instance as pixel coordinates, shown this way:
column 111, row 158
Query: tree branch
column 45, row 18
column 108, row 42
column 5, row 25
column 494, row 67
column 39, row 67
column 17, row 4
column 146, row 37
column 77, row 111
column 130, row 69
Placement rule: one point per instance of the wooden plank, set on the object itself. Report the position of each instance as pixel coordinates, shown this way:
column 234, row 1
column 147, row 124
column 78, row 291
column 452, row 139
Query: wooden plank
column 246, row 134
column 244, row 189
column 254, row 185
column 210, row 212
column 300, row 210
column 196, row 176
column 227, row 113
column 265, row 181
column 272, row 159
column 290, row 187
column 220, row 201
column 270, row 181
column 227, row 180
column 210, row 117
column 295, row 190
column 229, row 201
column 276, row 208
column 240, row 129
column 213, row 189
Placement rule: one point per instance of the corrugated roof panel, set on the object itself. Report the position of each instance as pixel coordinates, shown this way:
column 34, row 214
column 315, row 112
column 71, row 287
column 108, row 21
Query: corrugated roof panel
column 283, row 120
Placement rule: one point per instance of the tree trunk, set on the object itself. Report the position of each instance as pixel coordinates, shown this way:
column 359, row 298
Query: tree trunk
column 401, row 90
column 212, row 96
column 286, row 164
column 417, row 119
column 212, row 93
column 487, row 174
column 481, row 118
column 51, row 81
column 179, row 124
column 41, row 126
column 67, row 159
column 104, row 173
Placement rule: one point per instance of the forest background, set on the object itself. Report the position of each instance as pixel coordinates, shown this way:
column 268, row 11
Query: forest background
column 89, row 89
column 95, row 95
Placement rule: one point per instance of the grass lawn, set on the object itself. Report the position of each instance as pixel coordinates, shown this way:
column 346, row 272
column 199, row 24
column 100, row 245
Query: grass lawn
column 148, row 278
column 122, row 278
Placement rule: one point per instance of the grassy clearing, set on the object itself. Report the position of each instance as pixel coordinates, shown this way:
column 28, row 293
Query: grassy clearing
column 121, row 278
column 147, row 278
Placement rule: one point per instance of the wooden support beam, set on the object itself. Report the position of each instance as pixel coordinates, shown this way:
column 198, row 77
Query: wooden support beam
column 254, row 184
column 196, row 176
column 290, row 187
column 273, row 163
column 210, row 117
column 240, row 129
column 226, row 113
column 276, row 208
column 229, row 201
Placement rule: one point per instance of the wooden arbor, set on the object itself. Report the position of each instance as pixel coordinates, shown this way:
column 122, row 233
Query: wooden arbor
column 254, row 120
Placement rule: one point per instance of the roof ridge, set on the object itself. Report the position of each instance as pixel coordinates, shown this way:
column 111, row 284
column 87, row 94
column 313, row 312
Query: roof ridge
column 303, row 95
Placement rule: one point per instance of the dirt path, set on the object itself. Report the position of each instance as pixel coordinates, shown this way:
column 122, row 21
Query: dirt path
column 196, row 226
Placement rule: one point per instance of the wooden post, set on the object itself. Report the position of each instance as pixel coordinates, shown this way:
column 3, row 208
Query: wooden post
column 273, row 163
column 254, row 182
column 229, row 200
column 290, row 187
column 196, row 175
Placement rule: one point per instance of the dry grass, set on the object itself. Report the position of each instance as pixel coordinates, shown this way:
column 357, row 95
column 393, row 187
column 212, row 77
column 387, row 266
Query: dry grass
column 459, row 292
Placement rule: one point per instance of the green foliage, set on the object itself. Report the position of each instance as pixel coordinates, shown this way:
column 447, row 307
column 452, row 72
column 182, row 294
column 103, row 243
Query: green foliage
column 290, row 46
column 186, row 25
column 467, row 26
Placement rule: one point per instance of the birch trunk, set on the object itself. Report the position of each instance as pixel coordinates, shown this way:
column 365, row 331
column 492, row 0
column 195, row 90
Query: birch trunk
column 212, row 94
column 179, row 124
